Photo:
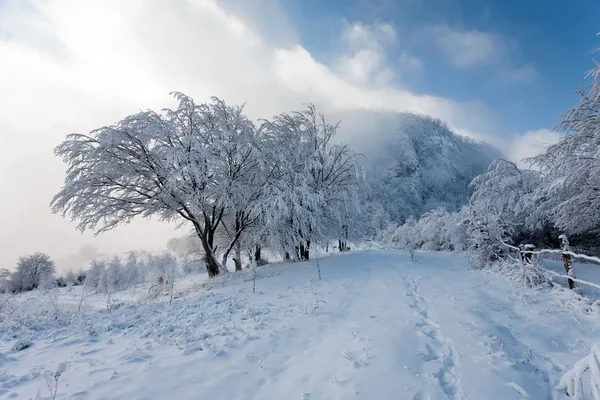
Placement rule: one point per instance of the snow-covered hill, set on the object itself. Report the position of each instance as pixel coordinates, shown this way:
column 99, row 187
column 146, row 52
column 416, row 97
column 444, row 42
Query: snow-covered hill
column 415, row 163
column 377, row 326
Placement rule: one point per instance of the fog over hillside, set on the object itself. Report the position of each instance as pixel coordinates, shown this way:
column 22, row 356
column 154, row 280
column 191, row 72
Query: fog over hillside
column 415, row 163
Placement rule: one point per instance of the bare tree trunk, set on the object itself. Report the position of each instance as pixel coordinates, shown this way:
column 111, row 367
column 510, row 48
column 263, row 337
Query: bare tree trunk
column 257, row 255
column 301, row 252
column 238, row 256
column 224, row 263
column 210, row 259
column 307, row 250
column 212, row 266
column 343, row 243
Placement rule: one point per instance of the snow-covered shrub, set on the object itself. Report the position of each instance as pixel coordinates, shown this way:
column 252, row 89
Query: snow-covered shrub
column 437, row 230
column 522, row 275
column 398, row 237
column 70, row 278
column 572, row 383
column 485, row 234
column 164, row 270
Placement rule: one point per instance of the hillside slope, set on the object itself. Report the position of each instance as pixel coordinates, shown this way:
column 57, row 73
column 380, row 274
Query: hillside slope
column 415, row 163
column 376, row 326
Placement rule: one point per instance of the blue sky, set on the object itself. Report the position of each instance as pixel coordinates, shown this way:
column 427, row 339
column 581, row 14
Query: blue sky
column 553, row 39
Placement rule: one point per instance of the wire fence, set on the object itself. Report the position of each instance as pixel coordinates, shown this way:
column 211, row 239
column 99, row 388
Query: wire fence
column 554, row 251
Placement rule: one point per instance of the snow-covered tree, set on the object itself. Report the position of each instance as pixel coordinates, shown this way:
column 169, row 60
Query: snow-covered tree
column 436, row 230
column 403, row 237
column 318, row 187
column 32, row 271
column 71, row 278
column 512, row 194
column 247, row 202
column 94, row 274
column 485, row 234
column 4, row 280
column 182, row 164
column 134, row 269
column 164, row 271
column 572, row 166
column 115, row 275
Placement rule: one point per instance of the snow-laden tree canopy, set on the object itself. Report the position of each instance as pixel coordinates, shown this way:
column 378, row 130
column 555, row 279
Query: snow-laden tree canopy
column 33, row 271
column 190, row 163
column 206, row 165
column 572, row 166
column 318, row 194
column 511, row 193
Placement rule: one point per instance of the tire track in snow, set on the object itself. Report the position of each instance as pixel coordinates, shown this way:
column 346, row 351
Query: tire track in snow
column 440, row 348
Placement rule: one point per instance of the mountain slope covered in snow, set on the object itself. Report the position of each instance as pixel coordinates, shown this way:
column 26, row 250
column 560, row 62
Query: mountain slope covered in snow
column 416, row 163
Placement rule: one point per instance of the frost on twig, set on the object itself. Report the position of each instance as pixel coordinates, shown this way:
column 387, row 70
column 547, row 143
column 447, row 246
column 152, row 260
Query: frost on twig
column 53, row 379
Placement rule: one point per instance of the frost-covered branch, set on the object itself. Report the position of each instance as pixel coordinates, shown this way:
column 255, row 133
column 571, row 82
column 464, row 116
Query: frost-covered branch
column 188, row 163
column 572, row 382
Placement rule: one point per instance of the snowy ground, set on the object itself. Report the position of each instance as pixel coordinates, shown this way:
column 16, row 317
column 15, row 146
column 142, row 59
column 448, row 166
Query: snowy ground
column 375, row 327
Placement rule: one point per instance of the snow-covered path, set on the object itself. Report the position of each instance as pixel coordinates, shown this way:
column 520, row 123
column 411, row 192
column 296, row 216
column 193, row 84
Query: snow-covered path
column 376, row 327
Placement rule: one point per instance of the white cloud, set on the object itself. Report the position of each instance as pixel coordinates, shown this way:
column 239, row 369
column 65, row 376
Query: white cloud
column 113, row 57
column 358, row 35
column 468, row 48
column 525, row 73
column 365, row 60
column 530, row 144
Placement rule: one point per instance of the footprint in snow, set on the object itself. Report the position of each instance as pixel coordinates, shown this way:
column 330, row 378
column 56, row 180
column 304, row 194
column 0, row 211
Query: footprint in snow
column 339, row 378
column 360, row 337
column 432, row 353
